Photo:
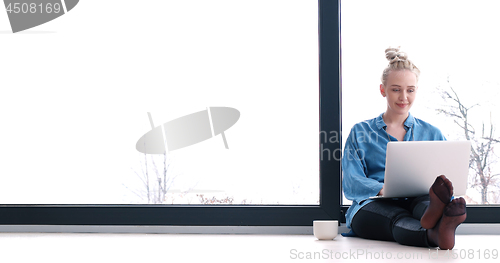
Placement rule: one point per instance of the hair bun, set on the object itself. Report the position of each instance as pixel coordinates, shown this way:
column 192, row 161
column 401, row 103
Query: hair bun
column 394, row 55
column 398, row 61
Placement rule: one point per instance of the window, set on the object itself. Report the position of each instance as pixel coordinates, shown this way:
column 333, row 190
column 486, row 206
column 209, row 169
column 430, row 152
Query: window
column 78, row 94
column 125, row 29
column 451, row 43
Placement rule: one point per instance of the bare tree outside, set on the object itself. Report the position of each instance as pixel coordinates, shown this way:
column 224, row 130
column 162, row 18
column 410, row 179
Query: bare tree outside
column 483, row 159
column 155, row 178
column 156, row 181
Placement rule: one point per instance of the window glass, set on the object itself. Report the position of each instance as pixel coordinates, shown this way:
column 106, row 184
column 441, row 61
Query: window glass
column 453, row 44
column 239, row 77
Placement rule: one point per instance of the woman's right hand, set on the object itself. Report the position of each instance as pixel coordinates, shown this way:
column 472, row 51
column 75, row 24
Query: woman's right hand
column 381, row 191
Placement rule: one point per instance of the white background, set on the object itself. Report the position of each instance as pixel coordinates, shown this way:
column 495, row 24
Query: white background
column 76, row 92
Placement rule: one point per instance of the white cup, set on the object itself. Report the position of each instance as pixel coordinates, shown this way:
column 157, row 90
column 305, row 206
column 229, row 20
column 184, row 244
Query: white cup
column 325, row 229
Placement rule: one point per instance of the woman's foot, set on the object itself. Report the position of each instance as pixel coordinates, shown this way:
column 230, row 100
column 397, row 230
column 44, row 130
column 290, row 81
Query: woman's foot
column 440, row 194
column 443, row 234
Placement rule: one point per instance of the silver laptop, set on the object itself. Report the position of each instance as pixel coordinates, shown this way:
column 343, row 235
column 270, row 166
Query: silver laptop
column 411, row 167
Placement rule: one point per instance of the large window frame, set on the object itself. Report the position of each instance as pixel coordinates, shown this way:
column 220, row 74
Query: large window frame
column 241, row 215
column 225, row 215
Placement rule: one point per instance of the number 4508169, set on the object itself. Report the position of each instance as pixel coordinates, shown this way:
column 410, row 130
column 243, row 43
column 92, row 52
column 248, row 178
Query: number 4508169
column 33, row 8
column 472, row 254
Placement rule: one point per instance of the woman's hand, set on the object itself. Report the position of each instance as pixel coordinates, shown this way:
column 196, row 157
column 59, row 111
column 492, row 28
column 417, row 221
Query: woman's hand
column 381, row 191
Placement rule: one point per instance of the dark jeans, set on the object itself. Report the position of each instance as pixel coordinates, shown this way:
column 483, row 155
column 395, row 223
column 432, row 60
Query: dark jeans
column 393, row 220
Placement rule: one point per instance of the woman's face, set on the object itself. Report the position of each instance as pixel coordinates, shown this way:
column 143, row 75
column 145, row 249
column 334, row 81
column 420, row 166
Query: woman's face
column 400, row 90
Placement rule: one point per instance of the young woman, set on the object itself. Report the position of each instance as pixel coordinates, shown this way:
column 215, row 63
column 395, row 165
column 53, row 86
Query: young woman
column 427, row 221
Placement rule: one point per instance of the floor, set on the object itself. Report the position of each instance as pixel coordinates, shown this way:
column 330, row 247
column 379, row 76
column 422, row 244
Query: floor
column 93, row 247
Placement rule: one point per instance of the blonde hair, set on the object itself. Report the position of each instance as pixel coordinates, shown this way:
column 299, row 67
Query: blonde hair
column 398, row 60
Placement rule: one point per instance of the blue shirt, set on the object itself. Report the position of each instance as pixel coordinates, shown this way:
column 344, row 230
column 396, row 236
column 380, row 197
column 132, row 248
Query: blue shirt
column 363, row 162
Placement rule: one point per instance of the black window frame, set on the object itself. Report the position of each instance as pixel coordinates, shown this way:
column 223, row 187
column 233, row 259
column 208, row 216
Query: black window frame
column 226, row 215
column 242, row 215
